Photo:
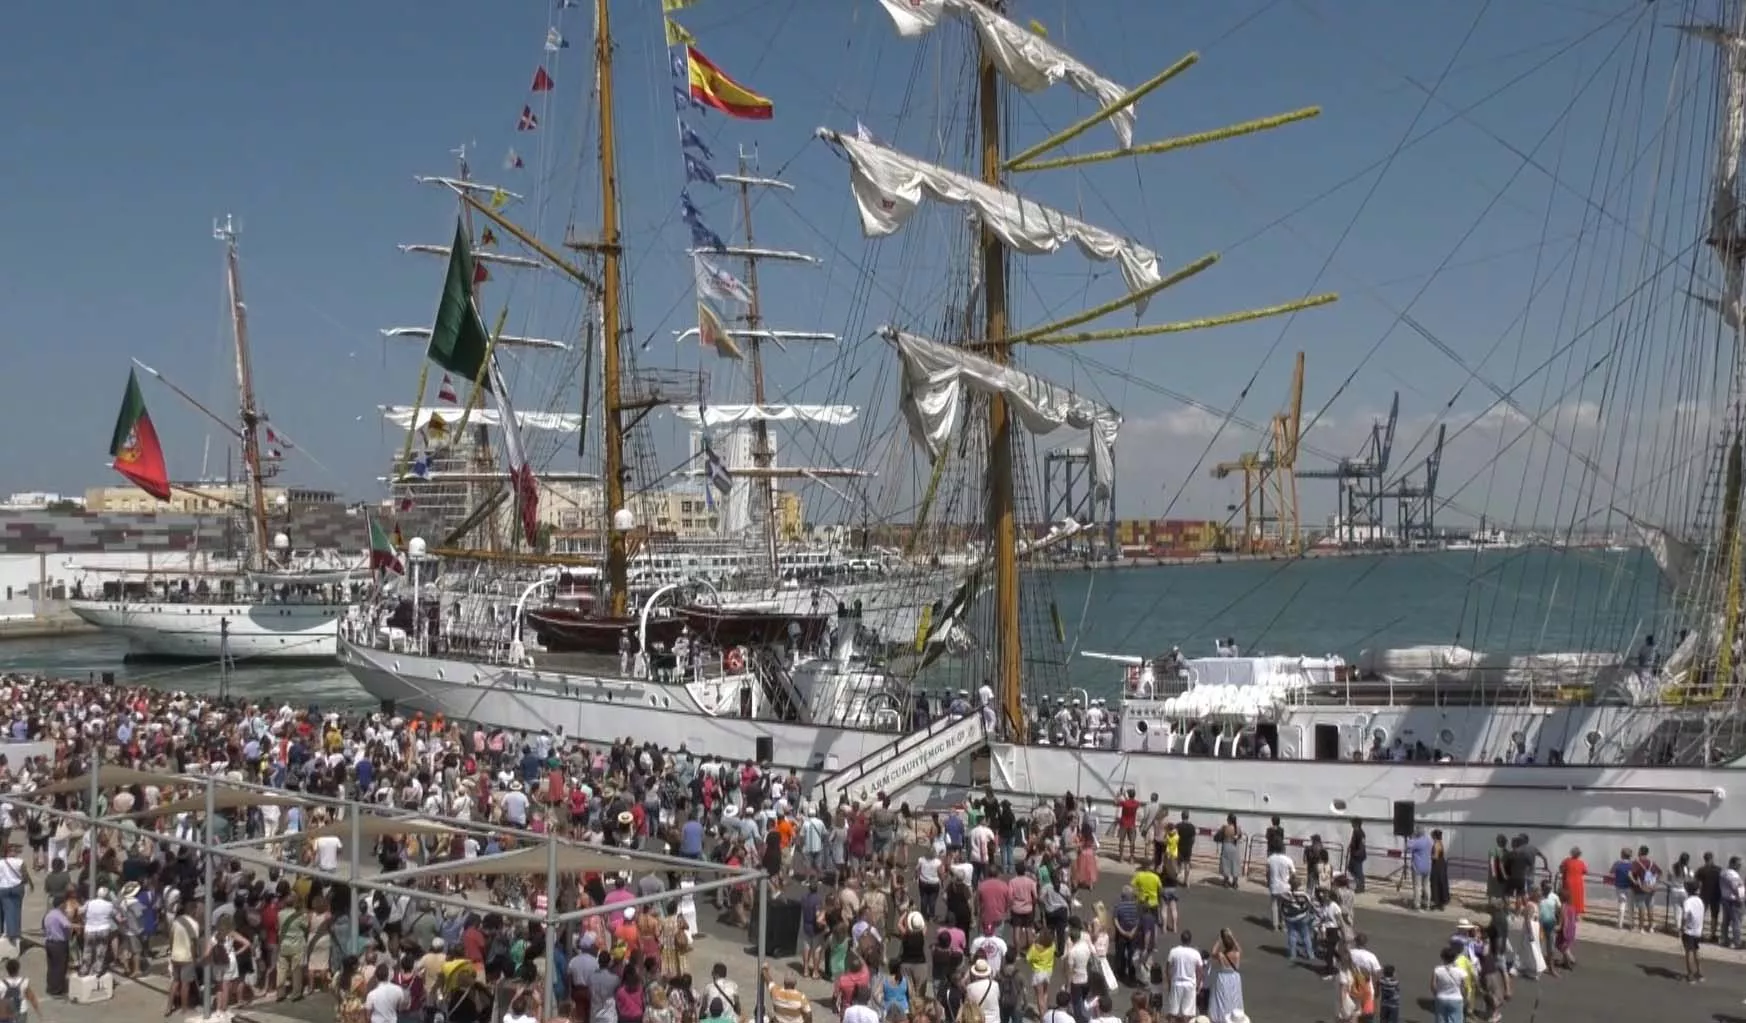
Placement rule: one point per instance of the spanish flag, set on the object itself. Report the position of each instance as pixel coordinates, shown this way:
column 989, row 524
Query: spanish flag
column 713, row 88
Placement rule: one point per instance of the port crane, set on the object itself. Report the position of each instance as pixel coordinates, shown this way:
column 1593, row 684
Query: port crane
column 1270, row 480
column 1360, row 483
column 1416, row 503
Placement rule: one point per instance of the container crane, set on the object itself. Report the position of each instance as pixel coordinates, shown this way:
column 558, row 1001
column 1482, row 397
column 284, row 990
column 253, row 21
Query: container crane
column 1270, row 480
column 1360, row 482
column 1416, row 508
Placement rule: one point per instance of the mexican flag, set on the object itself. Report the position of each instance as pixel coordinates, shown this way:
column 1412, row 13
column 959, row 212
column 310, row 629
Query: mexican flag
column 458, row 340
column 382, row 556
column 134, row 444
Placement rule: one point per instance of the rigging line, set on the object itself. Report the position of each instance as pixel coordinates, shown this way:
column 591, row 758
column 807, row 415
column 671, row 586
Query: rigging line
column 1405, row 313
column 1345, row 233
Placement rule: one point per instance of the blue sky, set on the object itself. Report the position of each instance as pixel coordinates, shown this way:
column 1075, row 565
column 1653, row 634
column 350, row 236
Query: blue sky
column 134, row 125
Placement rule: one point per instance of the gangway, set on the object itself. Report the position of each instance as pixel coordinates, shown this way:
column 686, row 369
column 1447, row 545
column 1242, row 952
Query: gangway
column 902, row 763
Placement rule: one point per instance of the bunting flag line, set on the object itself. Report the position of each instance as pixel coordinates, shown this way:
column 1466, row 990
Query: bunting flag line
column 405, row 505
column 701, row 235
column 669, row 6
column 713, row 88
column 715, row 283
column 678, row 63
column 488, row 238
column 528, row 121
column 677, row 35
column 542, row 82
column 713, row 333
column 446, row 391
column 511, row 161
column 480, row 273
column 697, row 170
column 720, row 477
column 683, row 100
column 499, row 199
column 436, row 426
column 555, row 41
column 692, row 140
column 1039, row 29
column 565, row 4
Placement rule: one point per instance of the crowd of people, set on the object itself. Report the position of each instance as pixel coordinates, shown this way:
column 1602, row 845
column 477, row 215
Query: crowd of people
column 981, row 912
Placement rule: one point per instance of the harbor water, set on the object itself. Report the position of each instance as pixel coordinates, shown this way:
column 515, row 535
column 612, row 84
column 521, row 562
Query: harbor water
column 1518, row 601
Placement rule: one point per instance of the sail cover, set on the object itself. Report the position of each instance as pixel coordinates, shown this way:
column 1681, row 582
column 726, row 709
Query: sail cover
column 1026, row 59
column 889, row 186
column 1673, row 556
column 730, row 415
column 934, row 378
column 404, row 417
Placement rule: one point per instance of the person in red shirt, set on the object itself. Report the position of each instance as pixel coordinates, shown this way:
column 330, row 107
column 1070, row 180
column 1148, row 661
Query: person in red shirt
column 1128, row 826
column 993, row 897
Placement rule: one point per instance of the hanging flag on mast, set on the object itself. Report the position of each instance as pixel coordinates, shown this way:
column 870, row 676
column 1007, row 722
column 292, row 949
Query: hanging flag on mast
column 446, row 390
column 521, row 474
column 713, row 88
column 715, row 283
column 677, row 35
column 670, row 6
column 720, row 478
column 691, row 140
column 511, row 161
column 134, row 444
column 382, row 555
column 527, row 122
column 713, row 333
column 542, row 82
column 488, row 238
column 555, row 41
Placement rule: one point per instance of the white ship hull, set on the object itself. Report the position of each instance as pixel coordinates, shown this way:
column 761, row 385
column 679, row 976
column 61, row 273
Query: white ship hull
column 195, row 631
column 1597, row 807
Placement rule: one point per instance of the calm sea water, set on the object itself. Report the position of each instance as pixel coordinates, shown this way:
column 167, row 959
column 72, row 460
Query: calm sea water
column 1532, row 600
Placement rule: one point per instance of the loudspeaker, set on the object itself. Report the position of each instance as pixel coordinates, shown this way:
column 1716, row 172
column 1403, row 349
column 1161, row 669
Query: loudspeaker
column 1404, row 812
column 783, row 934
column 766, row 749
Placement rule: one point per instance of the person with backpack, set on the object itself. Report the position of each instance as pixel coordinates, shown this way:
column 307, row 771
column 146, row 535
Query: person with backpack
column 16, row 994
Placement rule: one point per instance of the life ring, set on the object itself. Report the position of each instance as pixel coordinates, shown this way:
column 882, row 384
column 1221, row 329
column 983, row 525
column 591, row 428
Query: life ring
column 735, row 660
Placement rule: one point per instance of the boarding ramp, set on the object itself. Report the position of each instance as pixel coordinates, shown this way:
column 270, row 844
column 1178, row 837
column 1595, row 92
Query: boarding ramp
column 904, row 762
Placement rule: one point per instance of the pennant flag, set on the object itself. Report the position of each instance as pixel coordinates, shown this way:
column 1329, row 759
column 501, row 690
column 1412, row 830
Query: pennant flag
column 691, row 139
column 512, row 160
column 542, row 82
column 279, row 440
column 382, row 556
column 676, row 5
column 499, row 198
column 437, row 426
column 677, row 61
column 719, row 285
column 712, row 333
column 480, row 273
column 715, row 89
column 134, row 444
column 555, row 41
column 458, row 341
column 446, row 390
column 702, row 237
column 527, row 489
column 1039, row 28
column 488, row 238
column 720, row 479
column 528, row 121
column 683, row 100
column 275, row 455
column 677, row 35
column 697, row 170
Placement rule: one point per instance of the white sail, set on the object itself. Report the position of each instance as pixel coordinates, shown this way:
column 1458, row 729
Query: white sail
column 1673, row 556
column 889, row 185
column 554, row 422
column 1026, row 59
column 729, row 415
column 934, row 378
column 1724, row 204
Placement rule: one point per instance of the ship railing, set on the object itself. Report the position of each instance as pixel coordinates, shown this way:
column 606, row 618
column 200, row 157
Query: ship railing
column 1255, row 859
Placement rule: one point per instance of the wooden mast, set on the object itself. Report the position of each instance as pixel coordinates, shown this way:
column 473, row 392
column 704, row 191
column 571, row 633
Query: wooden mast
column 1002, row 516
column 762, row 456
column 245, row 388
column 617, row 563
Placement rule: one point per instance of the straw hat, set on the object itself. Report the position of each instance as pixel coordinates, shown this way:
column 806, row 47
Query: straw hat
column 129, row 890
column 626, row 818
column 1464, row 924
column 515, row 786
column 979, row 968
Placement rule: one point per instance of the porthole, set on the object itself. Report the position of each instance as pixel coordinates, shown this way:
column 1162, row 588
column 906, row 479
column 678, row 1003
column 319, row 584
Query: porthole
column 1446, row 738
column 1593, row 738
column 1338, row 806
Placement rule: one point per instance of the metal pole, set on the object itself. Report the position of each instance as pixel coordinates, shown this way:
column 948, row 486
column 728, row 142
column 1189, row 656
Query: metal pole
column 763, row 931
column 206, row 906
column 551, row 1008
column 91, row 834
column 352, row 848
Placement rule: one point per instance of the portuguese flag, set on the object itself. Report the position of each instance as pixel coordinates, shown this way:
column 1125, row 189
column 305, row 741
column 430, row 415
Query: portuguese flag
column 382, row 556
column 135, row 447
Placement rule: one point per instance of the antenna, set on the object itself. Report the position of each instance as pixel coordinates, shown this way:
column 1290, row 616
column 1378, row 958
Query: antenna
column 225, row 232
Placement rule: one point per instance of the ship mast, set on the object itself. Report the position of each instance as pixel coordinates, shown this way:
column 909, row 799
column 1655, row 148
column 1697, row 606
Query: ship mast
column 1002, row 516
column 762, row 456
column 245, row 387
column 617, row 567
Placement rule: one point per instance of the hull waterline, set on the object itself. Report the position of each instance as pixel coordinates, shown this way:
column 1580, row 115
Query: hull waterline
column 197, row 632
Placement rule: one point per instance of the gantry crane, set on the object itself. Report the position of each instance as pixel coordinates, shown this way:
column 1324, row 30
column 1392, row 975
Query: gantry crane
column 1270, row 480
column 1360, row 481
column 1417, row 507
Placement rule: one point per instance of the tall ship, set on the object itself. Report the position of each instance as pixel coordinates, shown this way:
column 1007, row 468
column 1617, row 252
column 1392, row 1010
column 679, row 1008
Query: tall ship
column 1598, row 749
column 269, row 601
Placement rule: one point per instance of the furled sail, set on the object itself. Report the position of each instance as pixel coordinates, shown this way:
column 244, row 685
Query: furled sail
column 1026, row 59
column 1673, row 556
column 889, row 185
column 934, row 378
column 555, row 422
column 730, row 415
column 1725, row 203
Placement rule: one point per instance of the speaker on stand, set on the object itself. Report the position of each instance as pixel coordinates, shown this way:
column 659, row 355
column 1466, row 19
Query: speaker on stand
column 1405, row 814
